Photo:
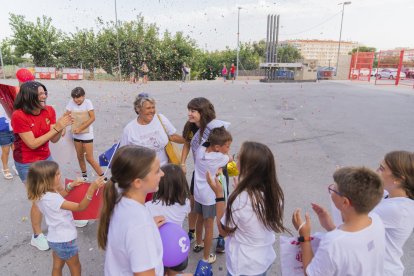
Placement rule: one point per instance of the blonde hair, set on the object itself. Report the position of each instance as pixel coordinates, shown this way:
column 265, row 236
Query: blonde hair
column 41, row 179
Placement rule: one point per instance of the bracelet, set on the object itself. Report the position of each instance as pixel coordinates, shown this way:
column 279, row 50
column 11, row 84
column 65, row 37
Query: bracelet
column 56, row 130
column 88, row 197
column 220, row 199
column 304, row 239
column 68, row 187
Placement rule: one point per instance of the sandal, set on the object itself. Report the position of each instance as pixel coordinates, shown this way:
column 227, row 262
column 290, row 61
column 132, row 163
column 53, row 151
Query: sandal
column 7, row 174
column 198, row 248
column 211, row 258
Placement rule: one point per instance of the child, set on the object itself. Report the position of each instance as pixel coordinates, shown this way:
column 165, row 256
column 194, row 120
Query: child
column 6, row 142
column 83, row 130
column 224, row 72
column 397, row 209
column 254, row 212
column 172, row 201
column 208, row 159
column 127, row 231
column 44, row 187
column 357, row 247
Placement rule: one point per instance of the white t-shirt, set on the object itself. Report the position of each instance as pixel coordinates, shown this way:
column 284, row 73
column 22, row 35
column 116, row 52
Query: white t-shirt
column 206, row 161
column 85, row 106
column 195, row 141
column 134, row 242
column 249, row 250
column 351, row 253
column 175, row 213
column 61, row 227
column 397, row 214
column 3, row 114
column 151, row 136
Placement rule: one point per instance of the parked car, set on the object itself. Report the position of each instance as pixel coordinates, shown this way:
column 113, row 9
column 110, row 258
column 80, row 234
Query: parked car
column 389, row 73
column 374, row 72
column 409, row 72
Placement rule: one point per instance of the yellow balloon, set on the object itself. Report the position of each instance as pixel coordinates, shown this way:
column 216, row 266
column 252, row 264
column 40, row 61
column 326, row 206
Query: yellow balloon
column 232, row 169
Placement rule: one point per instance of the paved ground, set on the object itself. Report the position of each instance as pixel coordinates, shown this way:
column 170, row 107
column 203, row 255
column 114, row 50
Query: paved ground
column 312, row 128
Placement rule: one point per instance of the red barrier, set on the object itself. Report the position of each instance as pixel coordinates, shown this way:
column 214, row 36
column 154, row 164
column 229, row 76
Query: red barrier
column 407, row 68
column 389, row 67
column 361, row 66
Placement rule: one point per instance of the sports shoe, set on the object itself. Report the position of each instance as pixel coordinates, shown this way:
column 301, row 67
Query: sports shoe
column 80, row 223
column 84, row 178
column 211, row 258
column 192, row 237
column 40, row 242
column 198, row 248
column 221, row 245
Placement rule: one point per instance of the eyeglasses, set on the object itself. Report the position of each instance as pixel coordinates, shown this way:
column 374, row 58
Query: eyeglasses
column 381, row 168
column 332, row 190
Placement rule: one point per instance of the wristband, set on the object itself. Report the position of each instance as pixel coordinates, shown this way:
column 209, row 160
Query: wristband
column 56, row 130
column 304, row 239
column 69, row 188
column 89, row 197
column 220, row 199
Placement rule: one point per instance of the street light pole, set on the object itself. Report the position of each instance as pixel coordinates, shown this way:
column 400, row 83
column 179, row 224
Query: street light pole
column 238, row 42
column 117, row 42
column 340, row 34
column 2, row 65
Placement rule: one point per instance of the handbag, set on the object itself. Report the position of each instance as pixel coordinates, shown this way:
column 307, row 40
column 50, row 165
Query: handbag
column 171, row 149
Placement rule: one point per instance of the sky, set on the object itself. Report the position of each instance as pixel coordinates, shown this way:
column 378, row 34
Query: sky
column 213, row 24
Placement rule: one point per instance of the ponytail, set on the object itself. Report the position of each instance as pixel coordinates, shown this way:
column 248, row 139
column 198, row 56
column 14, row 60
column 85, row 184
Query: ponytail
column 111, row 197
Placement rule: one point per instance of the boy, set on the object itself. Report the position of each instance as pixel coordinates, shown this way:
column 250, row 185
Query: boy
column 83, row 112
column 210, row 158
column 357, row 247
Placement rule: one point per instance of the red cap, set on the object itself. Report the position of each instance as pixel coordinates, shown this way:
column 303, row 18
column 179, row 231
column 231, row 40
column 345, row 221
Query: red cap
column 24, row 75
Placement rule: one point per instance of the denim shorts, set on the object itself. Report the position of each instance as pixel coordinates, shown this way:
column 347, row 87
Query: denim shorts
column 23, row 168
column 6, row 138
column 64, row 250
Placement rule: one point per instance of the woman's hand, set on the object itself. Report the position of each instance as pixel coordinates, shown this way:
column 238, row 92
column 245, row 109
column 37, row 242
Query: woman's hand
column 324, row 217
column 215, row 185
column 98, row 183
column 64, row 121
column 304, row 228
column 159, row 221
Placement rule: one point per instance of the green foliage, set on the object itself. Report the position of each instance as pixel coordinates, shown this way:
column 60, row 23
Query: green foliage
column 8, row 53
column 288, row 53
column 40, row 40
column 364, row 49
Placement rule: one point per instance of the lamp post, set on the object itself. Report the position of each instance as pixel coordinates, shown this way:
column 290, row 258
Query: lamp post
column 340, row 34
column 117, row 43
column 2, row 65
column 238, row 41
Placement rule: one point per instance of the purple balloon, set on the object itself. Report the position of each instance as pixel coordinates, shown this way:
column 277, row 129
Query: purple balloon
column 175, row 244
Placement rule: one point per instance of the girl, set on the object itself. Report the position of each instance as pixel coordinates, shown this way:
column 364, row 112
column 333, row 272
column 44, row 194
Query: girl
column 6, row 142
column 127, row 231
column 254, row 212
column 396, row 210
column 201, row 120
column 172, row 201
column 44, row 188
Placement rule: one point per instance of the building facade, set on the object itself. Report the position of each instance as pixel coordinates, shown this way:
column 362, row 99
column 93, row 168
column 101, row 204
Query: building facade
column 325, row 51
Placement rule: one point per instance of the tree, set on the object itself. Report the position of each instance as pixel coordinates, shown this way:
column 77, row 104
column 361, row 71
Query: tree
column 364, row 49
column 288, row 53
column 40, row 40
column 8, row 53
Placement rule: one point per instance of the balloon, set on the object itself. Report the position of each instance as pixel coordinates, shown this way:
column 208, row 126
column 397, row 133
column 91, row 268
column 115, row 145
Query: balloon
column 175, row 244
column 24, row 75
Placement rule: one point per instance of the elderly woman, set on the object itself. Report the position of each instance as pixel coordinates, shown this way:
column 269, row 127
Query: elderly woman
column 147, row 129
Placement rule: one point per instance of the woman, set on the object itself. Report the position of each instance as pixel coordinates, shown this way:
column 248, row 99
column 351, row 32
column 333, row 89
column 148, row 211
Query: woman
column 34, row 124
column 147, row 129
column 201, row 120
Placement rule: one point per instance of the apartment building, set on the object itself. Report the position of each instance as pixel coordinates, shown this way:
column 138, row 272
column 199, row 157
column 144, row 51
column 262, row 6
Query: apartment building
column 325, row 51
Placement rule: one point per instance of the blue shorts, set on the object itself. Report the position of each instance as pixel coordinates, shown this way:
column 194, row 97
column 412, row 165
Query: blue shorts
column 6, row 138
column 64, row 250
column 23, row 168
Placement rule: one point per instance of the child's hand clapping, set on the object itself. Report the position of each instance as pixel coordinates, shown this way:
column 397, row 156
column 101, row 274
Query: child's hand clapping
column 304, row 228
column 215, row 185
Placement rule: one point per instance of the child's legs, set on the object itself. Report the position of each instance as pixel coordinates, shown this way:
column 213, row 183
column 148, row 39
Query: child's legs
column 74, row 265
column 88, row 148
column 81, row 155
column 58, row 264
column 208, row 236
column 36, row 218
column 199, row 228
column 5, row 151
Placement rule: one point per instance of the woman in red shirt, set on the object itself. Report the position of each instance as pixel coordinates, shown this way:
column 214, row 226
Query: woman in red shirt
column 34, row 124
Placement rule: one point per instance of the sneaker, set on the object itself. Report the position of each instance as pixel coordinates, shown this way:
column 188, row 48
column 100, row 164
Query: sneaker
column 221, row 245
column 40, row 242
column 81, row 223
column 198, row 248
column 211, row 258
column 84, row 178
column 192, row 237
